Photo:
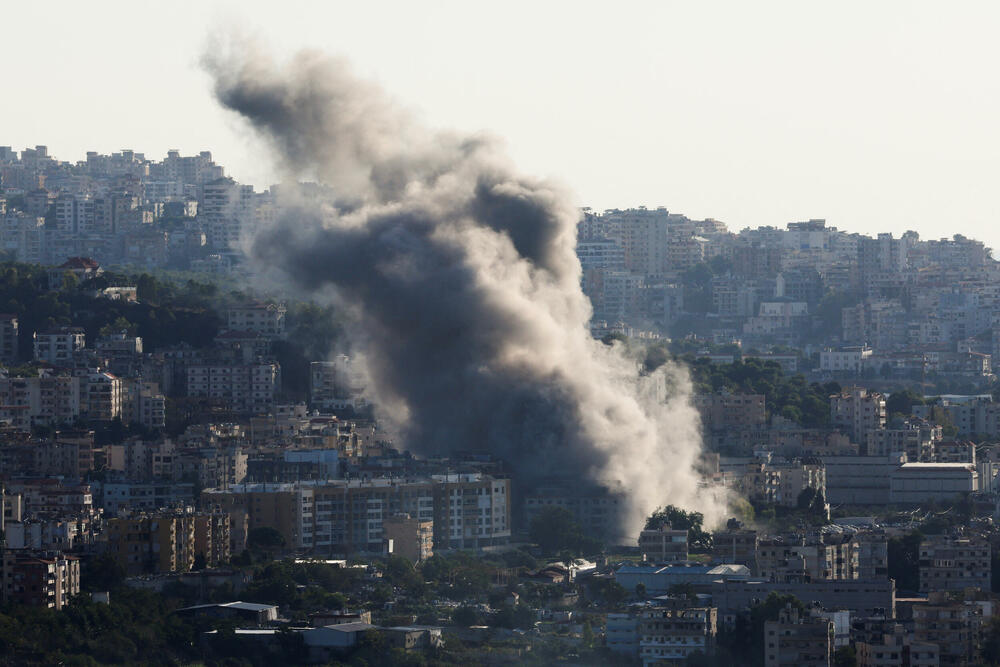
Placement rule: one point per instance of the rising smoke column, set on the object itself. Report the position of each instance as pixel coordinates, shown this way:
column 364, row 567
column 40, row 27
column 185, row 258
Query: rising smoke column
column 464, row 285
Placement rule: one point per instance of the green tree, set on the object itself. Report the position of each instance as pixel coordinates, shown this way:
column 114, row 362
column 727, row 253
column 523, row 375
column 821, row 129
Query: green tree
column 698, row 538
column 265, row 537
column 465, row 616
column 845, row 656
column 902, row 402
column 903, row 554
column 554, row 529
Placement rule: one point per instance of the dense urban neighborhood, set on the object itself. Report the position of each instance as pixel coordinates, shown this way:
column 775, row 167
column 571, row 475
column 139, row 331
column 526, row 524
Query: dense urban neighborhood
column 195, row 469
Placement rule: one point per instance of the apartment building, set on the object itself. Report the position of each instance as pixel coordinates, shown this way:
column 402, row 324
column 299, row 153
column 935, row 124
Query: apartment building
column 468, row 511
column 40, row 579
column 735, row 544
column 213, row 538
column 846, row 360
column 897, row 649
column 774, row 481
column 917, row 438
column 950, row 563
column 856, row 411
column 335, row 383
column 799, row 558
column 798, row 641
column 47, row 497
column 8, row 339
column 663, row 544
column 729, row 411
column 167, row 542
column 49, row 398
column 124, row 496
column 226, row 212
column 955, row 626
column 244, row 387
column 101, row 396
column 267, row 319
column 58, row 346
column 669, row 635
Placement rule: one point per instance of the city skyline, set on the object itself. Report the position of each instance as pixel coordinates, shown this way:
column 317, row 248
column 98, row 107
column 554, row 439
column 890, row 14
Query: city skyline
column 757, row 116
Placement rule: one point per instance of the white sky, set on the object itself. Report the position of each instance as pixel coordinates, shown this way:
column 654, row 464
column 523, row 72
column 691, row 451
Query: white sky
column 876, row 116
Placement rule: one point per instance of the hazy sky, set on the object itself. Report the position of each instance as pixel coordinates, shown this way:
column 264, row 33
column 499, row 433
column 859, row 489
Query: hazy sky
column 876, row 116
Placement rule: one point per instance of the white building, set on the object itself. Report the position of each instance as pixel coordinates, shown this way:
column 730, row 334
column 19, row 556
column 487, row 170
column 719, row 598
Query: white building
column 267, row 319
column 914, row 483
column 845, row 359
column 57, row 346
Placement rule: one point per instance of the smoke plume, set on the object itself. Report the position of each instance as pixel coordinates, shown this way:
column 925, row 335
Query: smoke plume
column 464, row 285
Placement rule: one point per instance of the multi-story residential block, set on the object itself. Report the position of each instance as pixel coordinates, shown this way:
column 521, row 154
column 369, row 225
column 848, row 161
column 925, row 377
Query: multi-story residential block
column 621, row 633
column 121, row 352
column 40, row 579
column 213, row 467
column 798, row 641
column 917, row 438
column 212, row 538
column 735, row 544
column 775, row 481
column 226, row 212
column 955, row 626
column 49, row 497
column 970, row 415
column 144, row 404
column 119, row 496
column 873, row 555
column 669, row 635
column 335, row 383
column 167, row 542
column 101, row 396
column 58, row 346
column 857, row 411
column 954, row 563
column 663, row 544
column 468, row 511
column 8, row 339
column 287, row 508
column 728, row 411
column 245, row 388
column 897, row 649
column 267, row 319
column 797, row 558
column 845, row 360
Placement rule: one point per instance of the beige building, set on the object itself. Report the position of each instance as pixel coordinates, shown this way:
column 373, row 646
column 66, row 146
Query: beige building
column 412, row 538
column 856, row 411
column 167, row 542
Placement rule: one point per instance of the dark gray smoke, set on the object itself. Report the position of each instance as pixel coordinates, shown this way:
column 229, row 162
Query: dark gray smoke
column 465, row 286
